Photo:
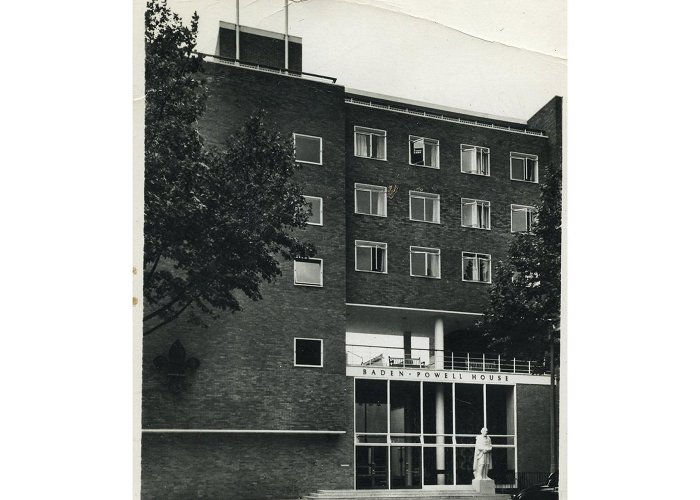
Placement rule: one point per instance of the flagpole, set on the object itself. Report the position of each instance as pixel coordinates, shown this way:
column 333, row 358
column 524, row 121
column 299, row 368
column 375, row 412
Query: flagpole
column 238, row 30
column 286, row 35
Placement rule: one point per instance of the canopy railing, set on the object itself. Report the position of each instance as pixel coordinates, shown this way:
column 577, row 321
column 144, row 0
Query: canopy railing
column 432, row 359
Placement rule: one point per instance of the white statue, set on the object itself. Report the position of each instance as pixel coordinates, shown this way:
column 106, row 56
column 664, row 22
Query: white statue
column 482, row 455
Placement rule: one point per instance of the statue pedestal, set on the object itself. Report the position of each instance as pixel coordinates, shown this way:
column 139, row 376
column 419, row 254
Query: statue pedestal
column 485, row 486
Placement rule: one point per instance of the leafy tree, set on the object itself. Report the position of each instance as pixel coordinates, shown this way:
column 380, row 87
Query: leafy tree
column 525, row 300
column 215, row 220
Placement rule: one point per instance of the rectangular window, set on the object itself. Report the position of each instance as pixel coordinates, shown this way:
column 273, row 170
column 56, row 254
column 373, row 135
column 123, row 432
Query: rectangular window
column 424, row 207
column 425, row 262
column 521, row 218
column 476, row 213
column 523, row 167
column 308, row 149
column 475, row 160
column 476, row 267
column 370, row 143
column 370, row 256
column 315, row 210
column 423, row 152
column 308, row 352
column 370, row 200
column 308, row 272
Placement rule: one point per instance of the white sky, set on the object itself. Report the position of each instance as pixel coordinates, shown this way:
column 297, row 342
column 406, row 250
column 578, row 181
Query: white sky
column 501, row 57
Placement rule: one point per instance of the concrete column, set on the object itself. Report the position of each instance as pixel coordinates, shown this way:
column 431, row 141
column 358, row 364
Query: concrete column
column 439, row 335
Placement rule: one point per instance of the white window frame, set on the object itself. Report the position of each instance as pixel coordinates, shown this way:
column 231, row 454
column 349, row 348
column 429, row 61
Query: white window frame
column 306, row 197
column 295, row 352
column 425, row 196
column 369, row 131
column 414, row 138
column 475, row 202
column 529, row 209
column 317, row 285
column 371, row 187
column 425, row 251
column 478, row 257
column 373, row 245
column 525, row 156
column 320, row 147
column 477, row 149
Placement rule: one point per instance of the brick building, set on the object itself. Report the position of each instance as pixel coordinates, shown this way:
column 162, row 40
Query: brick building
column 357, row 370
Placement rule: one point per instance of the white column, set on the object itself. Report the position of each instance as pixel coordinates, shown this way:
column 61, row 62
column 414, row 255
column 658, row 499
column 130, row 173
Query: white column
column 439, row 336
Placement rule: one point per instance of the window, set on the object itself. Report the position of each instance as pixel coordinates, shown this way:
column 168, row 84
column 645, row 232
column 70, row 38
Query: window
column 370, row 256
column 523, row 167
column 308, row 149
column 476, row 267
column 475, row 160
column 315, row 210
column 425, row 262
column 423, row 152
column 370, row 200
column 521, row 218
column 424, row 207
column 476, row 213
column 308, row 272
column 370, row 143
column 308, row 352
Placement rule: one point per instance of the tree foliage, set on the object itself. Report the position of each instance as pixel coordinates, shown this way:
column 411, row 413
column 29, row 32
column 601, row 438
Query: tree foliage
column 525, row 300
column 216, row 220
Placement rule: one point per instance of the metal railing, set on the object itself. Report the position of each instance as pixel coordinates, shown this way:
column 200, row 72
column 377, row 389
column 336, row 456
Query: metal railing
column 229, row 61
column 431, row 359
column 435, row 116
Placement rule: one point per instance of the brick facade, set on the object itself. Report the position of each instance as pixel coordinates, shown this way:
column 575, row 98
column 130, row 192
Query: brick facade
column 247, row 379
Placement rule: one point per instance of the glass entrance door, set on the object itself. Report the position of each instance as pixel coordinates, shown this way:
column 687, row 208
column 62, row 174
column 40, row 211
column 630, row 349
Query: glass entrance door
column 371, row 467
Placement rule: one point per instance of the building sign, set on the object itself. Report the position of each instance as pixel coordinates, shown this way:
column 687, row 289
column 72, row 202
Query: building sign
column 460, row 376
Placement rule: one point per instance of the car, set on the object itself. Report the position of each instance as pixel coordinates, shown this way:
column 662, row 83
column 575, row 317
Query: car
column 547, row 491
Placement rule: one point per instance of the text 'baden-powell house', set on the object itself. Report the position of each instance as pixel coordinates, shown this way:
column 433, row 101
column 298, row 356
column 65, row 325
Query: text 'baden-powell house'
column 355, row 371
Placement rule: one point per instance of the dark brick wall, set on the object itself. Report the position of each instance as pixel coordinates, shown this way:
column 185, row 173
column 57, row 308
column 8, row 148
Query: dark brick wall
column 247, row 378
column 549, row 119
column 259, row 49
column 533, row 405
column 398, row 288
column 236, row 466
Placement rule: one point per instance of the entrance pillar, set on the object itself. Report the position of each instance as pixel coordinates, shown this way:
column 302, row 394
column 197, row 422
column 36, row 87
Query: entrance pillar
column 439, row 336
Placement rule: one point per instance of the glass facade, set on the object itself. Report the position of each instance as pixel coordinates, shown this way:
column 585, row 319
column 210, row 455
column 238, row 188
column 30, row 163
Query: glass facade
column 416, row 434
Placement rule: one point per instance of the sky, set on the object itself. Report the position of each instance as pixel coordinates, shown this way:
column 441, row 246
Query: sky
column 498, row 57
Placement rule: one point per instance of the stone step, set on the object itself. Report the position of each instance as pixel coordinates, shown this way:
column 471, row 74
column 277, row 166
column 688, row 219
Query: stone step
column 449, row 494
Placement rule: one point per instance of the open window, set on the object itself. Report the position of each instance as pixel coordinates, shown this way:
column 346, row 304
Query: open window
column 424, row 152
column 370, row 256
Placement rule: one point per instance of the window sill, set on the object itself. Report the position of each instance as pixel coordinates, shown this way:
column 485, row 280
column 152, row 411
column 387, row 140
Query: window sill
column 476, row 281
column 424, row 221
column 371, row 215
column 308, row 162
column 370, row 158
column 308, row 366
column 424, row 166
column 476, row 173
column 313, row 285
column 475, row 227
column 427, row 277
column 523, row 180
column 373, row 272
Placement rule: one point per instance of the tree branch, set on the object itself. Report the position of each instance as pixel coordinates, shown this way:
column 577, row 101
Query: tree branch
column 163, row 323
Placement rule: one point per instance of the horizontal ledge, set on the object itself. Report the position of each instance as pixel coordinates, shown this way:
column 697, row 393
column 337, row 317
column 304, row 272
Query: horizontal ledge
column 442, row 311
column 241, row 431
